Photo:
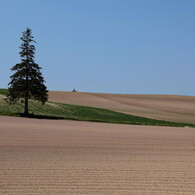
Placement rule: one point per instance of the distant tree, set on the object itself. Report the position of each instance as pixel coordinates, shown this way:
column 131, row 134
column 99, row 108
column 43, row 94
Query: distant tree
column 27, row 81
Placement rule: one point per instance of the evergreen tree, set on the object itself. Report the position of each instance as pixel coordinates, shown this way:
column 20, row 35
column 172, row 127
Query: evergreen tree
column 27, row 81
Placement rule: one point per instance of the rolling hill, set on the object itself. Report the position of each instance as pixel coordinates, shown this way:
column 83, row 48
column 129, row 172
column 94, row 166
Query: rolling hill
column 162, row 107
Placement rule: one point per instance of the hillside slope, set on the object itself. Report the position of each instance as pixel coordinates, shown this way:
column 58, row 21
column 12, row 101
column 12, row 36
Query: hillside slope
column 162, row 107
column 52, row 110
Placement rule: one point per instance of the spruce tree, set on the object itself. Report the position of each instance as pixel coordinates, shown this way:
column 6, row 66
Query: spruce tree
column 27, row 81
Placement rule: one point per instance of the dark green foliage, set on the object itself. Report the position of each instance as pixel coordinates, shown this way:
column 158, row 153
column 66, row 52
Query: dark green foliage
column 27, row 81
column 3, row 91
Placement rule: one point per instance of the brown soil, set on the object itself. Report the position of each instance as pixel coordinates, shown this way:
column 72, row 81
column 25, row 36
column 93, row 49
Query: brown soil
column 69, row 157
column 163, row 107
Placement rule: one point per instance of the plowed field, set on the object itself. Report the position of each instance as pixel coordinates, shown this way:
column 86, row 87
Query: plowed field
column 163, row 107
column 70, row 157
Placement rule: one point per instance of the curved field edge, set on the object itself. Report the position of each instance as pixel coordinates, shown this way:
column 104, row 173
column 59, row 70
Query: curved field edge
column 174, row 108
column 53, row 110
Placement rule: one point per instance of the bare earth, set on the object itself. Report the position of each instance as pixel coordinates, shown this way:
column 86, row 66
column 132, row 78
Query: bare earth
column 69, row 157
column 163, row 107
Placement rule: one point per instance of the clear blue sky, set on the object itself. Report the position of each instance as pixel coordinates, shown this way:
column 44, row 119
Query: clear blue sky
column 109, row 46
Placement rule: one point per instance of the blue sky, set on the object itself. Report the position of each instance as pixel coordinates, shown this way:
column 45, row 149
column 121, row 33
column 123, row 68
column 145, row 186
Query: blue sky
column 108, row 46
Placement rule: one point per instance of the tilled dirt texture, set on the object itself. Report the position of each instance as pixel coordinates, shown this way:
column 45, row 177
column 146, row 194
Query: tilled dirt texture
column 163, row 107
column 69, row 157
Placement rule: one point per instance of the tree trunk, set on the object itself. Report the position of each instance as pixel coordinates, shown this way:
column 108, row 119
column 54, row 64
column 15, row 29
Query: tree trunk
column 26, row 105
column 26, row 91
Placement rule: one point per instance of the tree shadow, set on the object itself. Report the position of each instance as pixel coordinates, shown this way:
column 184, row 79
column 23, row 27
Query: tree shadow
column 36, row 116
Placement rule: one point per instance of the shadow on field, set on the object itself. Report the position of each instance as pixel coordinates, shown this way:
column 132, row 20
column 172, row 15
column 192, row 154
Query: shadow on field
column 40, row 116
